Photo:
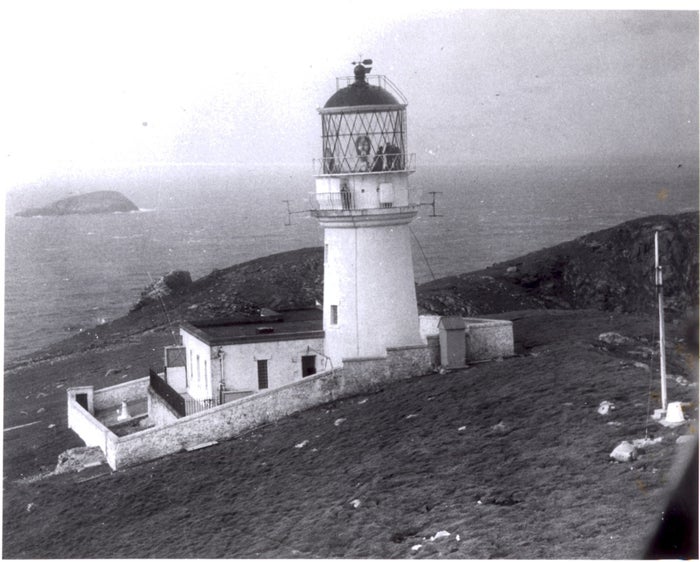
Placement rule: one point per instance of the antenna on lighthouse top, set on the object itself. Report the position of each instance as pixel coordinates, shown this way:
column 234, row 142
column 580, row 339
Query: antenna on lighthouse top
column 362, row 67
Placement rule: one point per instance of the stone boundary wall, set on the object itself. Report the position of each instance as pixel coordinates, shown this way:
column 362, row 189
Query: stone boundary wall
column 230, row 419
column 159, row 411
column 115, row 395
column 88, row 427
column 487, row 339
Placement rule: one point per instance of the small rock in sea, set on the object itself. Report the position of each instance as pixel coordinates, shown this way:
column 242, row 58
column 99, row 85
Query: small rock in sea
column 624, row 452
column 411, row 416
column 462, row 428
column 337, row 422
column 355, row 503
column 302, row 444
column 363, row 401
column 31, row 507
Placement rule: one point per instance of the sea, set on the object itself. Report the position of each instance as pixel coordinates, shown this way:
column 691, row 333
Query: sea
column 66, row 274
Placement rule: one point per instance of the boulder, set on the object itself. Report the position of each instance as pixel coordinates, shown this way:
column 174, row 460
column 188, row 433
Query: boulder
column 624, row 452
column 172, row 283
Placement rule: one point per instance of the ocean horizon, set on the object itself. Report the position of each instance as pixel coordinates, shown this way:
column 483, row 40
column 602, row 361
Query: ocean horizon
column 69, row 273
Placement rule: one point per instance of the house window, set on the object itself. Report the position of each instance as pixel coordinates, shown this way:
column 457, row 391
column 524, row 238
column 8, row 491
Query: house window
column 325, row 253
column 262, row 374
column 199, row 374
column 334, row 314
column 206, row 375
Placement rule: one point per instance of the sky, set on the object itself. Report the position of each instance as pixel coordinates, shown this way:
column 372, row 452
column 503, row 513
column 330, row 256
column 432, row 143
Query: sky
column 95, row 85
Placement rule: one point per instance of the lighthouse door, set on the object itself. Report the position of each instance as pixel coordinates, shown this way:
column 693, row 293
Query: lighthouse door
column 308, row 365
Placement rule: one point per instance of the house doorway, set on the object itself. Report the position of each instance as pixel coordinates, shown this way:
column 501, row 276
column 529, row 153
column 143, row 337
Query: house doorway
column 308, row 365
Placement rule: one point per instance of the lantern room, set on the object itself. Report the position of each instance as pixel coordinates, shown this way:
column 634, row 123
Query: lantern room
column 365, row 163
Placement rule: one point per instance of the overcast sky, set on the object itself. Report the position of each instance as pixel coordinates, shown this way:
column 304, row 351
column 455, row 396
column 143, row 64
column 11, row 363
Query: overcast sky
column 108, row 84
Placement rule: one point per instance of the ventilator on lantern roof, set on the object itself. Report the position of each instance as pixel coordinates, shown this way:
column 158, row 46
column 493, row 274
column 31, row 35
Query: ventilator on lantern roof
column 364, row 125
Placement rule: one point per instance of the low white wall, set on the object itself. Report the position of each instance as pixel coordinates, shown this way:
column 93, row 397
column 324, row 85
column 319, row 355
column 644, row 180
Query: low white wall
column 88, row 427
column 125, row 392
column 228, row 420
column 488, row 339
column 159, row 411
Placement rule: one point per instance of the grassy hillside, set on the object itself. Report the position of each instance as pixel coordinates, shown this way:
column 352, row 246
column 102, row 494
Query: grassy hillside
column 511, row 456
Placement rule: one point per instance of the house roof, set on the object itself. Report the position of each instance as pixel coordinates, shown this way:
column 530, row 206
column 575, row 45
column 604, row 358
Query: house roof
column 285, row 325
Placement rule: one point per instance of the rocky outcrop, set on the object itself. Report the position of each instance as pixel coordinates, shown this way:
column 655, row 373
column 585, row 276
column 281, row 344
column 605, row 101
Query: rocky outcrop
column 611, row 269
column 175, row 282
column 97, row 202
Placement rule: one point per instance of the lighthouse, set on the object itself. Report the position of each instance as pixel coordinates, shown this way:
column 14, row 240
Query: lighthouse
column 365, row 205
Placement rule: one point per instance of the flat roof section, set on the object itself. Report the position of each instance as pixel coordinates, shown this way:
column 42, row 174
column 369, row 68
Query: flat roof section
column 285, row 325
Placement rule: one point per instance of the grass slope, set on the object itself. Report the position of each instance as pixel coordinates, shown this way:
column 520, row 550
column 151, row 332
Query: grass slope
column 512, row 456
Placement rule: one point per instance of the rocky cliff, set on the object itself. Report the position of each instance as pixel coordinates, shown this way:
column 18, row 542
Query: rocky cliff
column 607, row 270
column 611, row 269
column 96, row 202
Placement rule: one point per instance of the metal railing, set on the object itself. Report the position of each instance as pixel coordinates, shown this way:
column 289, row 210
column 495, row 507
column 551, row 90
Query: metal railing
column 365, row 164
column 375, row 80
column 192, row 406
column 167, row 393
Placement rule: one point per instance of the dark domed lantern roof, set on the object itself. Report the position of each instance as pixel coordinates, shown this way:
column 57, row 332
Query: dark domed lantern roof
column 364, row 125
column 361, row 93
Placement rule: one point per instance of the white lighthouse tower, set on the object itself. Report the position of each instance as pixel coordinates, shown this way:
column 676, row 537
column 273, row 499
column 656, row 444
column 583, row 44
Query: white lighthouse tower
column 365, row 205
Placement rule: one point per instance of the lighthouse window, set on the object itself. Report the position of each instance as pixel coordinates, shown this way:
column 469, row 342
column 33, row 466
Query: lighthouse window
column 334, row 314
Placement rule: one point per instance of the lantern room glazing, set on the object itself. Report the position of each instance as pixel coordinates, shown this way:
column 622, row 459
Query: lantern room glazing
column 364, row 127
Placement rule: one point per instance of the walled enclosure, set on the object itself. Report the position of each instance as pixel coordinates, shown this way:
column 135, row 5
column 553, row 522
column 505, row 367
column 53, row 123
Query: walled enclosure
column 228, row 420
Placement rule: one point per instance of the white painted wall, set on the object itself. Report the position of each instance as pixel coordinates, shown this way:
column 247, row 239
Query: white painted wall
column 283, row 362
column 199, row 383
column 368, row 274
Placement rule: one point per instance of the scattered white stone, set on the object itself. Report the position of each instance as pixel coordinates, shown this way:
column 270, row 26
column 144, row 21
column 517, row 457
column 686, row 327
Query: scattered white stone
column 410, row 416
column 30, row 507
column 457, row 538
column 605, row 407
column 462, row 428
column 302, row 444
column 41, row 410
column 642, row 366
column 355, row 503
column 440, row 535
column 41, row 395
column 613, row 338
column 478, row 502
column 624, row 452
column 51, row 425
column 568, row 404
column 681, row 380
column 685, row 439
column 646, row 442
column 615, row 423
column 337, row 422
column 59, row 386
column 363, row 401
column 416, row 547
column 500, row 427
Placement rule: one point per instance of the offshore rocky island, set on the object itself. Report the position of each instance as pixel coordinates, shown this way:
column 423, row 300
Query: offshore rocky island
column 95, row 202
